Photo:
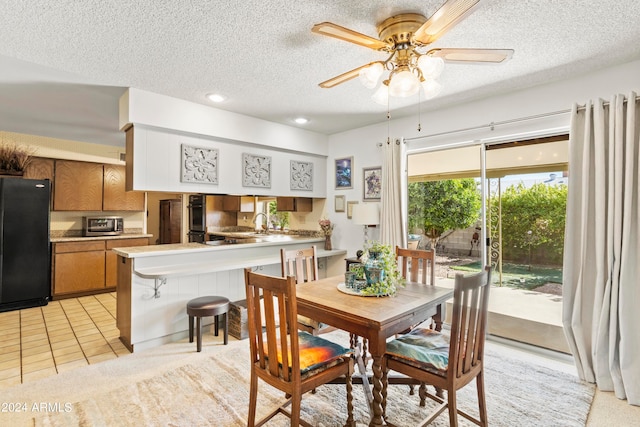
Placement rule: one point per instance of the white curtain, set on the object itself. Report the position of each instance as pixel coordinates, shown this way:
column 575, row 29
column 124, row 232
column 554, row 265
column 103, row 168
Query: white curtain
column 601, row 288
column 392, row 215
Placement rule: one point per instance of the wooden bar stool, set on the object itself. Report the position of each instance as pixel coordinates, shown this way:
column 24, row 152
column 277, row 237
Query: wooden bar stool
column 206, row 307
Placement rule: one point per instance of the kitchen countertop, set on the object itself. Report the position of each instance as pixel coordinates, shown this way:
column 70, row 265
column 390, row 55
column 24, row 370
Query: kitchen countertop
column 240, row 243
column 187, row 259
column 84, row 239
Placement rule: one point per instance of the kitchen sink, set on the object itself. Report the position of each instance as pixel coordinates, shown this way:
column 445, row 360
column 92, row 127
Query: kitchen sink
column 240, row 238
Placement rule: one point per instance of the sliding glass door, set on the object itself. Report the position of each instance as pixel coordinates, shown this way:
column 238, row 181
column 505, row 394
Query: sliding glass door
column 518, row 230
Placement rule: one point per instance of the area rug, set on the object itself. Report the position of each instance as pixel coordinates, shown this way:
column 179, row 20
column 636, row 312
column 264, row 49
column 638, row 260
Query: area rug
column 212, row 389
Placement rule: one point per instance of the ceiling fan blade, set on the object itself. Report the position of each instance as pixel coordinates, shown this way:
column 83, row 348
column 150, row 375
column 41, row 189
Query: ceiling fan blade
column 344, row 77
column 452, row 12
column 466, row 56
column 342, row 33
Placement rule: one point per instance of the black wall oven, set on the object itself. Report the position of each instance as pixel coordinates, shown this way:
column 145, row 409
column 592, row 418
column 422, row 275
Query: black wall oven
column 197, row 218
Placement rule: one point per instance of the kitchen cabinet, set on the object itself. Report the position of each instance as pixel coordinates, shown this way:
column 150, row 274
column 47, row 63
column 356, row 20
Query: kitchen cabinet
column 77, row 186
column 170, row 221
column 111, row 259
column 78, row 267
column 86, row 267
column 39, row 168
column 238, row 203
column 87, row 186
column 115, row 197
column 294, row 204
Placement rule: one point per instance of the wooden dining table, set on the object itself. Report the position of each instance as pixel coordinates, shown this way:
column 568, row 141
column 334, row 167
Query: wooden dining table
column 372, row 318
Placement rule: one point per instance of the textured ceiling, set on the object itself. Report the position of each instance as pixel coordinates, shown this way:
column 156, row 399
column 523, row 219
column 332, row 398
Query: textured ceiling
column 64, row 64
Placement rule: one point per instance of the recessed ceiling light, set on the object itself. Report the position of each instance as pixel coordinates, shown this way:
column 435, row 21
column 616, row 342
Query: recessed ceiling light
column 301, row 120
column 216, row 97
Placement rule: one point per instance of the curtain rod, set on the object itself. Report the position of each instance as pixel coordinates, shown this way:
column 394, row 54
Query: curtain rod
column 491, row 125
column 607, row 103
column 504, row 122
column 380, row 144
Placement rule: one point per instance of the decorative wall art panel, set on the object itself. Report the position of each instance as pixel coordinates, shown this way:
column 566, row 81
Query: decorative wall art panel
column 199, row 164
column 256, row 171
column 301, row 175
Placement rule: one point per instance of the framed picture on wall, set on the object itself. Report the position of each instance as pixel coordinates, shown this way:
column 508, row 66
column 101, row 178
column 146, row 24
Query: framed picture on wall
column 350, row 206
column 372, row 184
column 343, row 173
column 339, row 203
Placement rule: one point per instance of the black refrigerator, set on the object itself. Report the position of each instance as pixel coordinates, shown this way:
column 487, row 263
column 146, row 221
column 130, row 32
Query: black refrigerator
column 25, row 260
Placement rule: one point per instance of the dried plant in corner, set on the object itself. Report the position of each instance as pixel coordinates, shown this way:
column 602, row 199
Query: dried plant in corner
column 14, row 158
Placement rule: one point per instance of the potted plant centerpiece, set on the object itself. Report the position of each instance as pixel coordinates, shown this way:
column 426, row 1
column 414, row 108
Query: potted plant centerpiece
column 378, row 266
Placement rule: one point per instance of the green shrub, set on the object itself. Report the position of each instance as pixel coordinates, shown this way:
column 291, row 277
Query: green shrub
column 533, row 221
column 440, row 206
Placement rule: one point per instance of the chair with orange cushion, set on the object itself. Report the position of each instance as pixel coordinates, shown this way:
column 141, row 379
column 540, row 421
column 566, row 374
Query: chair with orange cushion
column 290, row 360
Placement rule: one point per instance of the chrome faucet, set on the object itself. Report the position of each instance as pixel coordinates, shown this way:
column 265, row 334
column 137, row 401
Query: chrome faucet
column 266, row 219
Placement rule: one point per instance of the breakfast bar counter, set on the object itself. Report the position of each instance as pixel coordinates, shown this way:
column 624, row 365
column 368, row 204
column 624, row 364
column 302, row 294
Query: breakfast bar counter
column 155, row 282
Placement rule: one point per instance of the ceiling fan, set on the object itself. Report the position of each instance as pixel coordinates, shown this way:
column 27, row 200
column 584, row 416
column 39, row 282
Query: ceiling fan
column 405, row 38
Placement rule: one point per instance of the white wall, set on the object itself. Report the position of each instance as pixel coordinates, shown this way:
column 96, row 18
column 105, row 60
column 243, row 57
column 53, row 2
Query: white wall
column 151, row 109
column 541, row 100
column 157, row 165
column 162, row 124
column 362, row 144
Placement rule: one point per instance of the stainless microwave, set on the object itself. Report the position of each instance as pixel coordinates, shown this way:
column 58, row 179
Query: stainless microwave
column 102, row 225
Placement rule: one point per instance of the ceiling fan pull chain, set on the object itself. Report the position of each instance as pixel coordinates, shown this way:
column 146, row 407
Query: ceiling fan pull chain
column 388, row 122
column 419, row 114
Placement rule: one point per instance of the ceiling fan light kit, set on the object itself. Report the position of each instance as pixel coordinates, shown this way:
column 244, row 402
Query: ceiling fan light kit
column 406, row 80
column 404, row 84
column 430, row 66
column 370, row 75
column 404, row 37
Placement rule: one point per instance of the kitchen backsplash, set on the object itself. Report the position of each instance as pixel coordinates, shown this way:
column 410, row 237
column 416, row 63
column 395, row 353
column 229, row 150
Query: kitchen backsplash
column 78, row 233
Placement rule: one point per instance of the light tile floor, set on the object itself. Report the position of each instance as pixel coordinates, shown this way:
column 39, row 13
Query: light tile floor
column 65, row 334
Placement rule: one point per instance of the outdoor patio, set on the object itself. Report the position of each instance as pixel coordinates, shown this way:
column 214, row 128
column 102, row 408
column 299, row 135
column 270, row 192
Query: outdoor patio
column 531, row 317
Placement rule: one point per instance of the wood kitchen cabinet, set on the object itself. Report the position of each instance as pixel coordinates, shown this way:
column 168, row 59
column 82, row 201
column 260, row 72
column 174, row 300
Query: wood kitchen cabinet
column 170, row 221
column 294, row 204
column 238, row 203
column 116, row 198
column 78, row 267
column 111, row 259
column 77, row 186
column 39, row 168
column 87, row 186
column 86, row 267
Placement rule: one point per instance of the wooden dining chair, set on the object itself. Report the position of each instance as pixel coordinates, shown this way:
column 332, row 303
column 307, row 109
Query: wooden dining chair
column 450, row 364
column 419, row 266
column 303, row 265
column 292, row 361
